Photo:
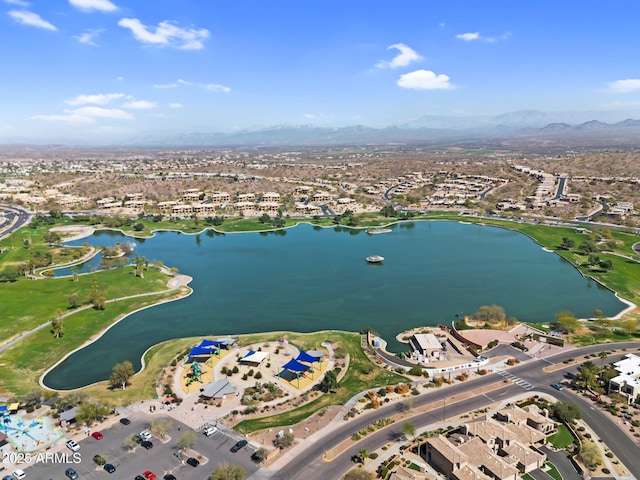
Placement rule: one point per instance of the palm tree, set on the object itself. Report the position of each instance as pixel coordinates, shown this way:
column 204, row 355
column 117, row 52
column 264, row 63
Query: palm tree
column 363, row 454
column 603, row 356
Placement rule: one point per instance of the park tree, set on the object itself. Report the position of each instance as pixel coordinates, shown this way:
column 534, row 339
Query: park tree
column 229, row 471
column 490, row 314
column 121, row 373
column 590, row 455
column 139, row 263
column 89, row 412
column 74, row 301
column 566, row 411
column 567, row 244
column 358, row 474
column 329, row 383
column 605, row 265
column 97, row 298
column 408, row 429
column 363, row 453
column 162, row 426
column 567, row 321
column 187, row 440
column 588, row 374
column 57, row 327
column 284, row 441
column 130, row 442
column 260, row 455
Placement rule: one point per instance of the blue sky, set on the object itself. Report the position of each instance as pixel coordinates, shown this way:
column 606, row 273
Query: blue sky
column 114, row 69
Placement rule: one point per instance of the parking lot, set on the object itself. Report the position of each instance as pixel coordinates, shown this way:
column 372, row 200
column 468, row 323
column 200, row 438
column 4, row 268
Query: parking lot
column 162, row 459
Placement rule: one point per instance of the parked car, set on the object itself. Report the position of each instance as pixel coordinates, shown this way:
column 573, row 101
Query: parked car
column 168, row 476
column 146, row 444
column 19, row 474
column 149, row 475
column 97, row 435
column 139, row 477
column 109, row 468
column 7, row 477
column 210, row 431
column 193, row 461
column 71, row 473
column 145, row 435
column 125, row 421
column 557, row 386
column 238, row 445
column 72, row 445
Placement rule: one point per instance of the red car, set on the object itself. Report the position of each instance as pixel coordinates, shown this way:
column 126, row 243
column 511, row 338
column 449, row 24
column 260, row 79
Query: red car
column 97, row 435
column 149, row 475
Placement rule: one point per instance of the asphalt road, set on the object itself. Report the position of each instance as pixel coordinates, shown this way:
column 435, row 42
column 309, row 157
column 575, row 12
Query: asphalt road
column 22, row 218
column 309, row 465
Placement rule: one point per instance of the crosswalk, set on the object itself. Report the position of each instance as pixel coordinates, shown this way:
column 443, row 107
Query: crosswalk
column 518, row 381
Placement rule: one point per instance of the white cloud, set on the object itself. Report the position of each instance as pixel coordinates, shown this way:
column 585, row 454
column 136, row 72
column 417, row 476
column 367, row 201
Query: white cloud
column 404, row 58
column 175, row 105
column 102, row 112
column 469, row 37
column 98, row 99
column 166, row 34
column 71, row 118
column 88, row 37
column 625, row 86
column 473, row 36
column 140, row 104
column 312, row 116
column 217, row 87
column 22, row 3
column 89, row 5
column 424, row 80
column 32, row 19
column 166, row 85
column 214, row 87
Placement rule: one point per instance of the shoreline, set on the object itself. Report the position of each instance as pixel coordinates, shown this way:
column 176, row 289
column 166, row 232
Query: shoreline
column 184, row 282
column 88, row 231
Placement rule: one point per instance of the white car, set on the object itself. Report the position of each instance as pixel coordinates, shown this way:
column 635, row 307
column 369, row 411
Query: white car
column 144, row 435
column 19, row 474
column 210, row 431
column 73, row 445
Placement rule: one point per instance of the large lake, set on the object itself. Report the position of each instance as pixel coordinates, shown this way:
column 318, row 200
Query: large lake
column 307, row 279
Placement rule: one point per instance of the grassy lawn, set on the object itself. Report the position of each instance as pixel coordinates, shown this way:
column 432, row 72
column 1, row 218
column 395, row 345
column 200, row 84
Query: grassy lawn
column 562, row 438
column 28, row 303
column 553, row 471
column 361, row 375
column 22, row 364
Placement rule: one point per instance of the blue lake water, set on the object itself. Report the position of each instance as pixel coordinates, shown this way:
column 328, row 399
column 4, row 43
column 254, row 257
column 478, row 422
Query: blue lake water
column 306, row 279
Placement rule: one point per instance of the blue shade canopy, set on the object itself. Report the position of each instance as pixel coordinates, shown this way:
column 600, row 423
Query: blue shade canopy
column 305, row 357
column 295, row 366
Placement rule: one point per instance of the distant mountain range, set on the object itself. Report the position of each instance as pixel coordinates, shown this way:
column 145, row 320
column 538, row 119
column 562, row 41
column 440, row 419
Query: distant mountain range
column 593, row 133
column 569, row 130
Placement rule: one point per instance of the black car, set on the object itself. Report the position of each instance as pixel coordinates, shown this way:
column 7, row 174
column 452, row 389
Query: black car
column 168, row 476
column 239, row 444
column 193, row 461
column 146, row 444
column 139, row 477
column 125, row 421
column 109, row 468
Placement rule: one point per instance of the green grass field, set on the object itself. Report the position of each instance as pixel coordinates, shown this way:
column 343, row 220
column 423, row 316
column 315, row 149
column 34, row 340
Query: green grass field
column 562, row 438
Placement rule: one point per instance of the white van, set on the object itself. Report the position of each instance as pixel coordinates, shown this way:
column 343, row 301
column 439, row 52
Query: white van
column 210, row 430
